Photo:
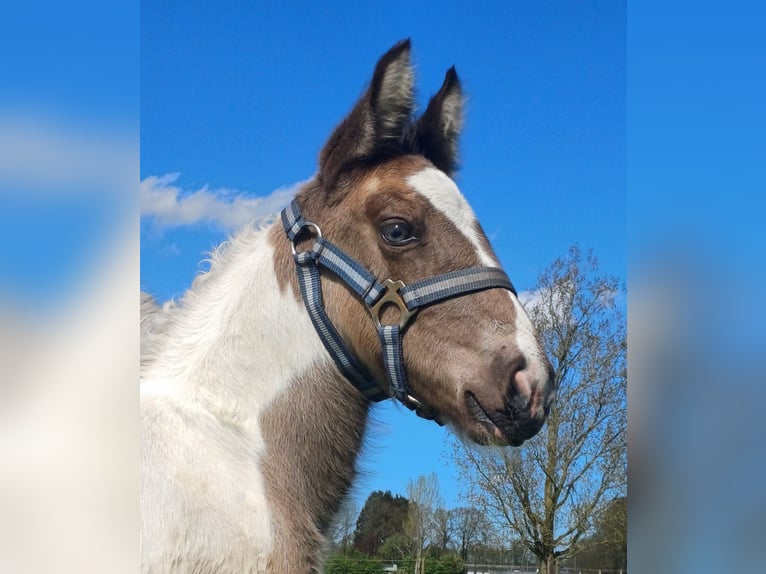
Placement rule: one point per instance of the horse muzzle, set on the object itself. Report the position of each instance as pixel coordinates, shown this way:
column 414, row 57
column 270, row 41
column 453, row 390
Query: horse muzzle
column 519, row 412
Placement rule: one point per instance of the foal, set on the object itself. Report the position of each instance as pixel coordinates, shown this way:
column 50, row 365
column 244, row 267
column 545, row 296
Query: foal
column 253, row 412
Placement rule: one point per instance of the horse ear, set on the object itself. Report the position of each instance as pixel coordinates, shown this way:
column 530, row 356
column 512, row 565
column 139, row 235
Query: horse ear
column 380, row 117
column 437, row 131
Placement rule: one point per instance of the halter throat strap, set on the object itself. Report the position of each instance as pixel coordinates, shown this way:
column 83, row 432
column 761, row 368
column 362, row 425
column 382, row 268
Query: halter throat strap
column 376, row 296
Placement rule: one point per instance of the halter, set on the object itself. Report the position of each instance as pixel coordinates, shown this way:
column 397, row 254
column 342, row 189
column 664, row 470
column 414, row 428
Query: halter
column 375, row 295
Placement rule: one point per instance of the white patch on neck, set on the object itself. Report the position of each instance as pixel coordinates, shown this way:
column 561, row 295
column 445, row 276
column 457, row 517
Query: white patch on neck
column 444, row 195
column 230, row 352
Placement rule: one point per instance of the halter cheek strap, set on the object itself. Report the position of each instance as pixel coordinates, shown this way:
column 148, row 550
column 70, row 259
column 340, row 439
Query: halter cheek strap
column 376, row 296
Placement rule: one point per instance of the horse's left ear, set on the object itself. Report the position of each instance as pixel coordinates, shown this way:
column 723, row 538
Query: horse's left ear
column 379, row 119
column 435, row 134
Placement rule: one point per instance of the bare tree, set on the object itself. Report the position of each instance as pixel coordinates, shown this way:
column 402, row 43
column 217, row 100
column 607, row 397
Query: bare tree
column 550, row 490
column 424, row 497
column 442, row 528
column 469, row 526
column 344, row 524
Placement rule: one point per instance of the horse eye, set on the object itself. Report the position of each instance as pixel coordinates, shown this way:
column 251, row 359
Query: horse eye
column 397, row 232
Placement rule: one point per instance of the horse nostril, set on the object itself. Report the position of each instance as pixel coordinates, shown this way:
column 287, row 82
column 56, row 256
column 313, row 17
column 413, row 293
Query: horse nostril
column 518, row 379
column 518, row 392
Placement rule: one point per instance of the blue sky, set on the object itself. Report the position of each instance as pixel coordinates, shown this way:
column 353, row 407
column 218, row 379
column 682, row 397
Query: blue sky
column 237, row 99
column 240, row 97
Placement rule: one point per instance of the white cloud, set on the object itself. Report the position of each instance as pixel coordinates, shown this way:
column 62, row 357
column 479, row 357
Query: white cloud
column 170, row 206
column 542, row 303
column 531, row 299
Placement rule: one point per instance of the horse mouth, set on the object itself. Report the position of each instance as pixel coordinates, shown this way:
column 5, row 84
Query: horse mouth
column 497, row 428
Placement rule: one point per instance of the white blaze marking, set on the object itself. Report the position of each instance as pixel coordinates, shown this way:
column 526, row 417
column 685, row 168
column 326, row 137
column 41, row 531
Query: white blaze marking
column 526, row 340
column 445, row 196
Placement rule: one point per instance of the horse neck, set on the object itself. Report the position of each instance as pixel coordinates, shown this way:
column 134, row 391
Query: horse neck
column 309, row 464
column 242, row 347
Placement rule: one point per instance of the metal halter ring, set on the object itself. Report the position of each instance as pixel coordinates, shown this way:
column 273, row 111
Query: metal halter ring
column 306, row 225
column 393, row 297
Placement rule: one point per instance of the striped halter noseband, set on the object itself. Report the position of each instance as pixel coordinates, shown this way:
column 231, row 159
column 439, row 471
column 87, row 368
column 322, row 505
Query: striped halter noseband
column 376, row 295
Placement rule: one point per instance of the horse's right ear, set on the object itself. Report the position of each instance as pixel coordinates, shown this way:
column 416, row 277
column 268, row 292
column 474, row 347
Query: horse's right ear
column 437, row 131
column 380, row 117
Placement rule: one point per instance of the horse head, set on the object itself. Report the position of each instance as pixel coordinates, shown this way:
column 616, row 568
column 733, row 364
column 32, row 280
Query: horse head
column 385, row 197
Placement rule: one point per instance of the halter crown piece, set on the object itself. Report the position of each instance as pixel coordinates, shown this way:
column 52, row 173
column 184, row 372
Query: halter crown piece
column 375, row 295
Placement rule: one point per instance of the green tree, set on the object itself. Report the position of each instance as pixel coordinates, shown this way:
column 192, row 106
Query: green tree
column 382, row 516
column 550, row 490
column 397, row 547
column 612, row 533
column 608, row 546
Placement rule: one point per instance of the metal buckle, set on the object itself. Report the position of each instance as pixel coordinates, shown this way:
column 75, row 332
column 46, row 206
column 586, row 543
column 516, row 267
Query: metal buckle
column 392, row 296
column 423, row 411
column 306, row 225
column 412, row 403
